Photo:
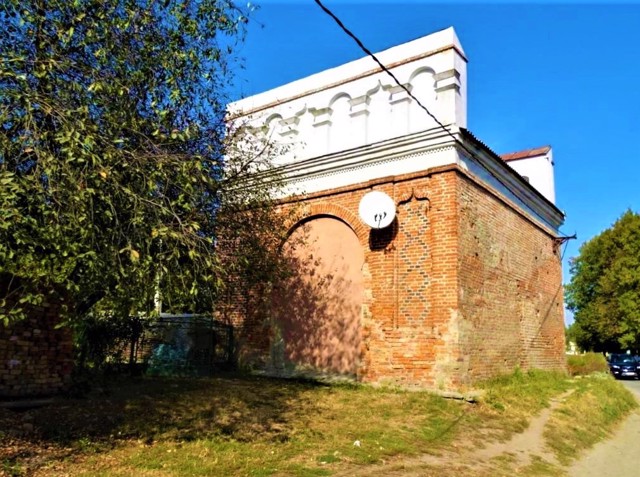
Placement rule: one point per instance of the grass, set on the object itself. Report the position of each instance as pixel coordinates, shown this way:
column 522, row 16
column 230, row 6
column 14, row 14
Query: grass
column 587, row 363
column 587, row 416
column 516, row 397
column 241, row 426
column 11, row 469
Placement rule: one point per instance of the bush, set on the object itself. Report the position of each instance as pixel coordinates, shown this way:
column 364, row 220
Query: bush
column 583, row 364
column 106, row 341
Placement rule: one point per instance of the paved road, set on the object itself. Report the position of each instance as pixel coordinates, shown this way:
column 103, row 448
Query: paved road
column 618, row 456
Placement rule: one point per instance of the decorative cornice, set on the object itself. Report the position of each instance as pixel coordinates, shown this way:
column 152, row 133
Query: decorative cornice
column 484, row 158
column 373, row 71
column 485, row 166
column 515, row 177
column 363, row 165
column 405, row 147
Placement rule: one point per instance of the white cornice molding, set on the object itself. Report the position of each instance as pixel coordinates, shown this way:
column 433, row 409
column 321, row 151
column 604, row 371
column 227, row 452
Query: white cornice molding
column 391, row 150
column 414, row 153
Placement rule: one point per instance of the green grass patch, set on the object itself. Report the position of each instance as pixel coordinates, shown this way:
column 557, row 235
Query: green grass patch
column 587, row 416
column 246, row 426
column 514, row 398
column 11, row 469
column 587, row 363
column 527, row 391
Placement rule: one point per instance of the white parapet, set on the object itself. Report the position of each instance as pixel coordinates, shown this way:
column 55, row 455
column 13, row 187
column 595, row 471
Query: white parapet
column 357, row 104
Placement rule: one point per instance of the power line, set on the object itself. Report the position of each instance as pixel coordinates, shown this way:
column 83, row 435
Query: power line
column 558, row 241
column 383, row 67
column 388, row 72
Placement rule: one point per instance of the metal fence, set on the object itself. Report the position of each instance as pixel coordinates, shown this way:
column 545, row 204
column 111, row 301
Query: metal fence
column 191, row 345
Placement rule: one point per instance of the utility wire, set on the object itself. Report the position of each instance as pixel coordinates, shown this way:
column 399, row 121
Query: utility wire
column 383, row 67
column 564, row 239
column 388, row 72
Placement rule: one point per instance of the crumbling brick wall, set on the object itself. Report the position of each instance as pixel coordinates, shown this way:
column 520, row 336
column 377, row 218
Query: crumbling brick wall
column 510, row 287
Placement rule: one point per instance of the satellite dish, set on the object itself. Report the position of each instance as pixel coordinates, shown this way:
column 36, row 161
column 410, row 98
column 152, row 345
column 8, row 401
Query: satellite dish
column 377, row 209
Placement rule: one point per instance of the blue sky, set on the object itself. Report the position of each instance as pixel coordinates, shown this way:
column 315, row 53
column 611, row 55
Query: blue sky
column 565, row 75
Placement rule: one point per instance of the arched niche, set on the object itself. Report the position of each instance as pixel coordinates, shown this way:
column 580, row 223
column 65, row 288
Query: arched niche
column 272, row 126
column 317, row 308
column 379, row 111
column 340, row 130
column 423, row 87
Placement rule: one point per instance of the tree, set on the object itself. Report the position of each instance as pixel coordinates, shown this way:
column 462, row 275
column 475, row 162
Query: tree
column 115, row 162
column 570, row 334
column 604, row 292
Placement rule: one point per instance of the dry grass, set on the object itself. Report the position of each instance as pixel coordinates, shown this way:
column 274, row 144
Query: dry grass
column 227, row 426
column 587, row 416
column 517, row 397
column 587, row 363
column 236, row 426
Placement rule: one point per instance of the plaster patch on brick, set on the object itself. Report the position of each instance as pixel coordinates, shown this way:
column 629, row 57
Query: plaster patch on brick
column 457, row 291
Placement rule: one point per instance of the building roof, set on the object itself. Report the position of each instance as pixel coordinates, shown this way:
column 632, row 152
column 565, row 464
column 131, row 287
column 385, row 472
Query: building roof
column 536, row 151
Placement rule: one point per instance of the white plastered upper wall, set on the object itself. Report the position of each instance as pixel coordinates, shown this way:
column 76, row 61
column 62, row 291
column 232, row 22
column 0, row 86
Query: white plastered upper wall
column 357, row 104
column 538, row 171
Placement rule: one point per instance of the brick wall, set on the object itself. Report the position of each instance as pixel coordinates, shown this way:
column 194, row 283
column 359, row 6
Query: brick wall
column 510, row 288
column 243, row 308
column 35, row 358
column 459, row 288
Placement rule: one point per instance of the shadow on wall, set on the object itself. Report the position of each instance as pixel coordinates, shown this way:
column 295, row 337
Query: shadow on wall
column 380, row 239
column 317, row 309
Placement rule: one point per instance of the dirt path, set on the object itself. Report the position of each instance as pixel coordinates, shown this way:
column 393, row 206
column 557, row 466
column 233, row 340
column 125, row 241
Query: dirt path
column 522, row 447
column 618, row 456
column 519, row 452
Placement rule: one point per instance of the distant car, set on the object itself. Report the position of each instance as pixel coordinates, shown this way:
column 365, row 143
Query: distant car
column 624, row 366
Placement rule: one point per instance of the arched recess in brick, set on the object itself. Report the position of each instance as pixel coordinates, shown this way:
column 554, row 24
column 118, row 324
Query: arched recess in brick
column 328, row 209
column 317, row 310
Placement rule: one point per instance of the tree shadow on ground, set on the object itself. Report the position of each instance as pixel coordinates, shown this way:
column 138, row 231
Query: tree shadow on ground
column 147, row 410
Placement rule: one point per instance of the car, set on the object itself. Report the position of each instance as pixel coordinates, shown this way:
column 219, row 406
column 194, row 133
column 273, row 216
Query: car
column 624, row 366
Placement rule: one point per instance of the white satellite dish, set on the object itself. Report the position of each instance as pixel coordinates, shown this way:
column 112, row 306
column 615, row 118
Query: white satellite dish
column 377, row 209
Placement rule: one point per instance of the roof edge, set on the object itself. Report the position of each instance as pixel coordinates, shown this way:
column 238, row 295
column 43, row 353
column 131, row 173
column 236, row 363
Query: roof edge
column 526, row 153
column 469, row 135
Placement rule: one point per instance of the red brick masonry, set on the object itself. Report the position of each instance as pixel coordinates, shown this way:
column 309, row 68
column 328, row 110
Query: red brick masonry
column 35, row 358
column 463, row 287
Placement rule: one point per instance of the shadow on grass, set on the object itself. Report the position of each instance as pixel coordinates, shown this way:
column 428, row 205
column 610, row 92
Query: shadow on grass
column 231, row 407
column 325, row 425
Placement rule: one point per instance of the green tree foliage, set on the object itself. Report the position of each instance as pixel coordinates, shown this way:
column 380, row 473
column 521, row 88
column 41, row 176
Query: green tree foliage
column 116, row 165
column 570, row 334
column 604, row 292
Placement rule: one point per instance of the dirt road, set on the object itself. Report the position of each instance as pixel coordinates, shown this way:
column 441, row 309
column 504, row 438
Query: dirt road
column 618, row 456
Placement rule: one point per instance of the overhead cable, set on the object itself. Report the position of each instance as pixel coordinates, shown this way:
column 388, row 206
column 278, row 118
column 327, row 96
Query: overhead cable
column 369, row 53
